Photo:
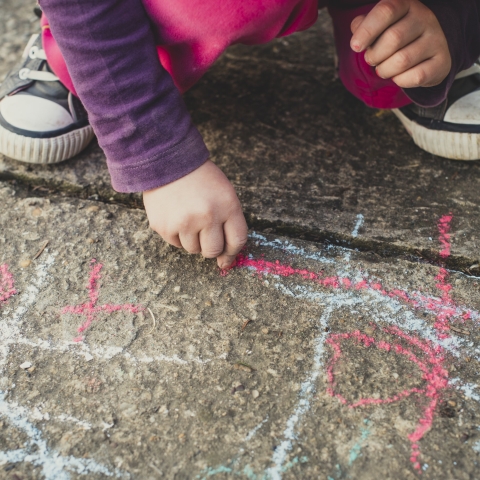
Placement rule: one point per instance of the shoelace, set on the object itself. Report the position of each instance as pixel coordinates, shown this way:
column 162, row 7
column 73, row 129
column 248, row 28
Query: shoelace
column 34, row 53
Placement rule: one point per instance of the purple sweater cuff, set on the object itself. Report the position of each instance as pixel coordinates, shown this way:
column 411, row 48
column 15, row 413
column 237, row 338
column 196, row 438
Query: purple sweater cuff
column 161, row 169
column 460, row 22
column 136, row 111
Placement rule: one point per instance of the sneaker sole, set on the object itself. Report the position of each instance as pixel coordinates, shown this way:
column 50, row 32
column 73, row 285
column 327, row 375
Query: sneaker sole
column 452, row 145
column 44, row 150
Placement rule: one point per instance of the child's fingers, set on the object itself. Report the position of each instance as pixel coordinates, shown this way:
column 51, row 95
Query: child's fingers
column 427, row 74
column 406, row 58
column 190, row 242
column 236, row 234
column 212, row 241
column 394, row 39
column 172, row 240
column 356, row 23
column 384, row 14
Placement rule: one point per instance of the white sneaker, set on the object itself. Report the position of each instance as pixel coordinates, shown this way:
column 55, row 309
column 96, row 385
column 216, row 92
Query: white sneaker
column 452, row 129
column 40, row 120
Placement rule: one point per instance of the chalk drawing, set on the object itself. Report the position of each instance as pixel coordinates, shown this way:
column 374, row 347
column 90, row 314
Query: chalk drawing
column 10, row 326
column 434, row 375
column 360, row 220
column 468, row 389
column 340, row 290
column 254, row 430
column 384, row 305
column 306, row 394
column 7, row 284
column 356, row 229
column 37, row 452
column 356, row 449
column 90, row 310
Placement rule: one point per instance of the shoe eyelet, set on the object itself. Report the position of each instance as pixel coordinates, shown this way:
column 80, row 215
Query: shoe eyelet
column 33, row 52
column 23, row 73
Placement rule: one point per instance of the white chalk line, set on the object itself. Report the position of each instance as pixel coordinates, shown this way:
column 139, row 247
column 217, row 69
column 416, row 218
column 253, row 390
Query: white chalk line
column 255, row 430
column 9, row 327
column 36, row 451
column 306, row 393
column 358, row 225
column 348, row 254
column 336, row 300
column 54, row 466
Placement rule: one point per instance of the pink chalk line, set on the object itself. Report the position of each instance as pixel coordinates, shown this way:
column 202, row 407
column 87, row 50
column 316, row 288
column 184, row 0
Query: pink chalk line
column 434, row 375
column 444, row 308
column 443, row 317
column 7, row 284
column 90, row 309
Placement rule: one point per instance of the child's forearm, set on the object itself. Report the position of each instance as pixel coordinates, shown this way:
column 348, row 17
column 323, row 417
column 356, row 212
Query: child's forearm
column 137, row 112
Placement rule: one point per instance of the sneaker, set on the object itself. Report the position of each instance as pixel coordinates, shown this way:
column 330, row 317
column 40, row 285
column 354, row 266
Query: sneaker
column 40, row 120
column 452, row 129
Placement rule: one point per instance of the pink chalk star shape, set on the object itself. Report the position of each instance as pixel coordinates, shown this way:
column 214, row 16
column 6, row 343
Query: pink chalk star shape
column 7, row 284
column 90, row 310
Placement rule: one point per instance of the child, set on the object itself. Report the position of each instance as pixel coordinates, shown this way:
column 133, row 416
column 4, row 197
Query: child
column 411, row 56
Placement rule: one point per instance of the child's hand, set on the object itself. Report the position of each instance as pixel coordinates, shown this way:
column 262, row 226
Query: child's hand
column 404, row 41
column 201, row 213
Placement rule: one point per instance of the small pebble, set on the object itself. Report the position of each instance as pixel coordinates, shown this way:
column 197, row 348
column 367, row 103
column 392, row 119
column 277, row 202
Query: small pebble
column 265, row 330
column 176, row 289
column 90, row 240
column 25, row 263
column 25, row 365
column 93, row 208
column 271, row 371
column 369, row 330
column 245, row 368
column 208, row 303
column 452, row 403
column 255, row 394
column 36, row 212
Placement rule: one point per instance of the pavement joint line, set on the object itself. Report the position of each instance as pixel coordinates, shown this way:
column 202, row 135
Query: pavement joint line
column 314, row 235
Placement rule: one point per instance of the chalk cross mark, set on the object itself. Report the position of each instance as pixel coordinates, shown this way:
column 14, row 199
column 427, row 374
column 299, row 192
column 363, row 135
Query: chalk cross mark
column 89, row 309
column 7, row 284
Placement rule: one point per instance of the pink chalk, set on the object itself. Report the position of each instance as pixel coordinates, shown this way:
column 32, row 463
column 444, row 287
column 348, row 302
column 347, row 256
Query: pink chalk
column 444, row 309
column 7, row 284
column 434, row 375
column 89, row 310
column 444, row 229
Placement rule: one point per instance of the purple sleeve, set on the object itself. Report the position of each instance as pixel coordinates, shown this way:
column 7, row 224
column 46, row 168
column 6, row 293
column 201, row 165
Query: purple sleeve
column 460, row 22
column 137, row 113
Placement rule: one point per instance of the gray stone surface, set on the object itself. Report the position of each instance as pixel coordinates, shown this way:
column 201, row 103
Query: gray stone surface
column 185, row 373
column 231, row 380
column 304, row 155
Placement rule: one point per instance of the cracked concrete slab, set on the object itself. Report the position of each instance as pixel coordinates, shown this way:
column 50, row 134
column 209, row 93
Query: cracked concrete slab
column 303, row 154
column 123, row 357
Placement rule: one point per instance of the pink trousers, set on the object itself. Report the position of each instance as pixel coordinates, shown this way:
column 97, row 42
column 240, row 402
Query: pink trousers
column 358, row 77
